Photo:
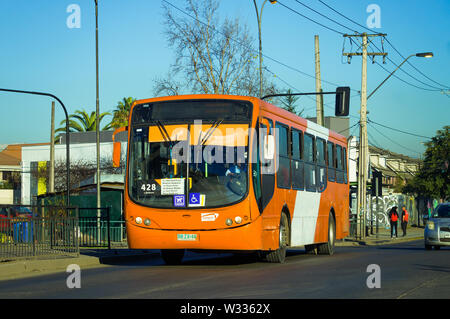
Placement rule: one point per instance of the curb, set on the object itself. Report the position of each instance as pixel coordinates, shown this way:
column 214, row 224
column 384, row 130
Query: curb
column 378, row 242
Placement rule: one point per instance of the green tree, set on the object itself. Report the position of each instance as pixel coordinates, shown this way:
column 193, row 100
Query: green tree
column 289, row 103
column 121, row 113
column 81, row 121
column 433, row 179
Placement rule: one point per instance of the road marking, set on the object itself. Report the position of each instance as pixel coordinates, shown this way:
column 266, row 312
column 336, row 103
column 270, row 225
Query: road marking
column 421, row 286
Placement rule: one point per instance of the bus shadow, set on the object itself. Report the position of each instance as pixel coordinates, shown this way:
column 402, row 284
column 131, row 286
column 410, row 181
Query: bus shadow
column 200, row 259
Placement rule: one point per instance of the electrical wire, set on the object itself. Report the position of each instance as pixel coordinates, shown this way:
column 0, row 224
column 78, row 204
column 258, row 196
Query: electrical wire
column 312, row 20
column 328, row 18
column 398, row 78
column 414, row 66
column 364, row 27
column 394, row 129
column 249, row 47
column 402, row 146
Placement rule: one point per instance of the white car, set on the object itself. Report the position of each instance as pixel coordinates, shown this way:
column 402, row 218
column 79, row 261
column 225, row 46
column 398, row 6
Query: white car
column 437, row 230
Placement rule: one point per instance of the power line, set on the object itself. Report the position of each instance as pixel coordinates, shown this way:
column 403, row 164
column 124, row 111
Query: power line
column 397, row 77
column 394, row 129
column 393, row 140
column 338, row 23
column 312, row 20
column 249, row 47
column 364, row 27
column 414, row 66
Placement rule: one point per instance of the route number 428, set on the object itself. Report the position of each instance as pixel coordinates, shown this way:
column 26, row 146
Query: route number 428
column 148, row 187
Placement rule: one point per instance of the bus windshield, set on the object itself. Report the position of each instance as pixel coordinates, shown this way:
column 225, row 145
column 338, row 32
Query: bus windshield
column 187, row 154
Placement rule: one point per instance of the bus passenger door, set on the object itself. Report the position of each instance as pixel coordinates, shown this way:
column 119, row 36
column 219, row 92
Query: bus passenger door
column 270, row 218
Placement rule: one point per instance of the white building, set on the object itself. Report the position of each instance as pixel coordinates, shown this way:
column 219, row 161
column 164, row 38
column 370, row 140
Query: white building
column 82, row 149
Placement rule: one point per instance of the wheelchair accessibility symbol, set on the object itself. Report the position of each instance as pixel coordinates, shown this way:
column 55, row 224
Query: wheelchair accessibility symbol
column 196, row 199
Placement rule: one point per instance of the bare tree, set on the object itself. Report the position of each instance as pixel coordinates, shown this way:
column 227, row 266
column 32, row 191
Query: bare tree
column 213, row 56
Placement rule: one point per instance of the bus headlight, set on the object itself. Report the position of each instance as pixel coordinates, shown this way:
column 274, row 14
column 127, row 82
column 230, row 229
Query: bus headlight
column 138, row 220
column 147, row 222
column 238, row 219
column 229, row 222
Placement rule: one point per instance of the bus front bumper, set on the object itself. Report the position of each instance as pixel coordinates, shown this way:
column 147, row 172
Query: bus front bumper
column 246, row 237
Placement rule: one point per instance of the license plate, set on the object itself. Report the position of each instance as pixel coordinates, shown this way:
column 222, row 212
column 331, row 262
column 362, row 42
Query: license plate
column 187, row 237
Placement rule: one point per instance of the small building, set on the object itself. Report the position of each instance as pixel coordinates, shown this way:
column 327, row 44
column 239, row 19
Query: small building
column 83, row 161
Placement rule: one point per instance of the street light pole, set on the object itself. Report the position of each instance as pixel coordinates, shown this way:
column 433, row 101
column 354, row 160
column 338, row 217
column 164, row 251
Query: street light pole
column 259, row 17
column 67, row 133
column 420, row 55
column 97, row 110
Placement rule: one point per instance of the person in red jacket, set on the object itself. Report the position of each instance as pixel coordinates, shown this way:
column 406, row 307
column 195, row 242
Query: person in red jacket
column 393, row 217
column 405, row 217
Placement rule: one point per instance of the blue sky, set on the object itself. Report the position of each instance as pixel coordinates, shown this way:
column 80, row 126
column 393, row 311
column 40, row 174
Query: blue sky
column 39, row 52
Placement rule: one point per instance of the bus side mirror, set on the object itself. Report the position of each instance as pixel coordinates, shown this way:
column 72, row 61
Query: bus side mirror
column 269, row 147
column 117, row 147
column 342, row 101
column 117, row 152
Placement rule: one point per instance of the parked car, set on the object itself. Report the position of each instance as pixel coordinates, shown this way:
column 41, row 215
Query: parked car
column 437, row 230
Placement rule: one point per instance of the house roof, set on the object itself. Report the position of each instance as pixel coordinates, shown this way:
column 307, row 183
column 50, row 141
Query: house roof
column 12, row 154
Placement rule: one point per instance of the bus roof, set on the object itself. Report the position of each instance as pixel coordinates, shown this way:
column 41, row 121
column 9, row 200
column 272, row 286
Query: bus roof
column 264, row 105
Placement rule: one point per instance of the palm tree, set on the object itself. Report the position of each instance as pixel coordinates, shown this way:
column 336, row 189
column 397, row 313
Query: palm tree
column 81, row 121
column 121, row 113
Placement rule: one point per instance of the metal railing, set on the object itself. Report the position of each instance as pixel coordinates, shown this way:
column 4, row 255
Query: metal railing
column 26, row 233
column 45, row 230
column 97, row 230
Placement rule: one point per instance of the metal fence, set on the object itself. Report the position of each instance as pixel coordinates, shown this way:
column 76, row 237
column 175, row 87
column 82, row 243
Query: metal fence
column 26, row 233
column 97, row 230
column 33, row 231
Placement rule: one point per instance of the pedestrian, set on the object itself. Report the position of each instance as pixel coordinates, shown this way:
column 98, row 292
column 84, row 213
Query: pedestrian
column 393, row 217
column 405, row 217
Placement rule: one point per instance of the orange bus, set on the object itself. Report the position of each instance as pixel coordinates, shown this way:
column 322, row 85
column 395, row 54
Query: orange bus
column 231, row 173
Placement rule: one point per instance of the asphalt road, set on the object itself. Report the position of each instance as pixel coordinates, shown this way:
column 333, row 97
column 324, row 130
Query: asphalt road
column 406, row 271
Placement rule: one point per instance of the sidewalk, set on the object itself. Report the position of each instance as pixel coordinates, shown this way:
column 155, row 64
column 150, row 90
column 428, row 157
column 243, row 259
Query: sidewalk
column 384, row 237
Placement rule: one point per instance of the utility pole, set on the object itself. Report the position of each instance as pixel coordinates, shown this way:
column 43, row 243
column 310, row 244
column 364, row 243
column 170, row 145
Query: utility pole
column 363, row 142
column 51, row 184
column 319, row 97
column 97, row 110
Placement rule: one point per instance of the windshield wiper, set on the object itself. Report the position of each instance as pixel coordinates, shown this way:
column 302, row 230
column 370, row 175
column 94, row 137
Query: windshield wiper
column 211, row 131
column 167, row 139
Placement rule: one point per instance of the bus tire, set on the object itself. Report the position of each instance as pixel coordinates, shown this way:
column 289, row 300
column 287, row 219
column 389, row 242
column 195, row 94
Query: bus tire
column 328, row 247
column 279, row 255
column 172, row 256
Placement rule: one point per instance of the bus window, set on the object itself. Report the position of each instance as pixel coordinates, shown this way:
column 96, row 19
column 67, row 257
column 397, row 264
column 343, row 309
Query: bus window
column 283, row 173
column 267, row 166
column 256, row 167
column 297, row 163
column 345, row 165
column 310, row 166
column 321, row 148
column 339, row 165
column 331, row 162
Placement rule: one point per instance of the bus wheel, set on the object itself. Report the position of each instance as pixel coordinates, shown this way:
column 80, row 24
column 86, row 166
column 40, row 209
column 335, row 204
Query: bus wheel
column 172, row 256
column 279, row 255
column 328, row 247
